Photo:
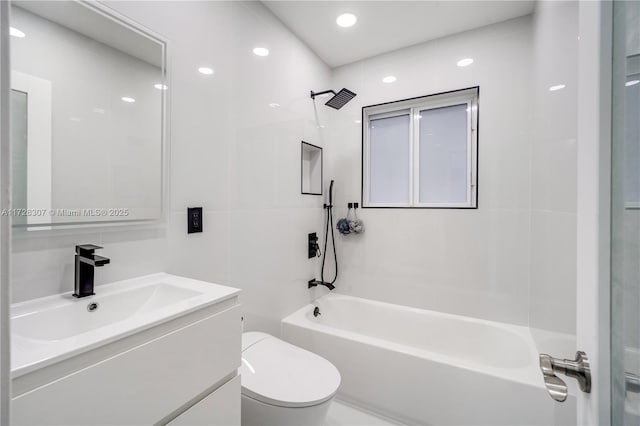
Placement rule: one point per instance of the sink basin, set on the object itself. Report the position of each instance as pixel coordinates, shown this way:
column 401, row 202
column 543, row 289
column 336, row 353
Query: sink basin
column 53, row 328
column 82, row 315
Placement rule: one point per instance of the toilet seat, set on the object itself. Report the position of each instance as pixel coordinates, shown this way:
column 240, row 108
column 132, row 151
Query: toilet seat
column 278, row 373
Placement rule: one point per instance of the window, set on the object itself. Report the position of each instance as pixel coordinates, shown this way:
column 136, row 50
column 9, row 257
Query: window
column 421, row 152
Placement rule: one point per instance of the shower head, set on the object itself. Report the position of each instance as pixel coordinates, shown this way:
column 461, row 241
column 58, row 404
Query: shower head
column 338, row 100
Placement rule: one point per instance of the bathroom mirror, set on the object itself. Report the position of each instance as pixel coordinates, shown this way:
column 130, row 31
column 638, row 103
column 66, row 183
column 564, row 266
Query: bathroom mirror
column 311, row 169
column 87, row 107
column 632, row 134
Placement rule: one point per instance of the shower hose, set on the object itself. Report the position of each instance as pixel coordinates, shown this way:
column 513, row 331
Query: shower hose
column 329, row 220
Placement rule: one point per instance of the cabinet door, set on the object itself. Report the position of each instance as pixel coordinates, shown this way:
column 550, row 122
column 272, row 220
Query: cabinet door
column 220, row 408
column 142, row 385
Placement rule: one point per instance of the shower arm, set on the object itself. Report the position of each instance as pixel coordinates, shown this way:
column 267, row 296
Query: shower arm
column 314, row 94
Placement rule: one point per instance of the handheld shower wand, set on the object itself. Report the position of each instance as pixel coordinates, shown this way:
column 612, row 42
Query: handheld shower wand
column 328, row 207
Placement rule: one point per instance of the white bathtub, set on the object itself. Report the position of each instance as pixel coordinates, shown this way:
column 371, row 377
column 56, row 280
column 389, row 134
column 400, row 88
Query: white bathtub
column 425, row 367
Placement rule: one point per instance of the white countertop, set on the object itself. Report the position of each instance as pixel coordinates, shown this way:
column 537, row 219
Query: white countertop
column 50, row 329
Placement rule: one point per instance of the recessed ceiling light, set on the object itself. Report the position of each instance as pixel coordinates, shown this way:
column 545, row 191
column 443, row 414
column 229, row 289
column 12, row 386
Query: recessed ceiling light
column 464, row 62
column 557, row 87
column 205, row 70
column 632, row 83
column 346, row 20
column 358, row 121
column 127, row 99
column 161, row 86
column 274, row 105
column 16, row 32
column 74, row 118
column 261, row 51
column 389, row 79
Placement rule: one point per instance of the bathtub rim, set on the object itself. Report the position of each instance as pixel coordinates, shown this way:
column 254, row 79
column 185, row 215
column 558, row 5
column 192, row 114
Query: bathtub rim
column 528, row 375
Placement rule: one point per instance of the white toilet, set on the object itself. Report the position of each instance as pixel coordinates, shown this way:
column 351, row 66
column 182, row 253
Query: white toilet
column 283, row 384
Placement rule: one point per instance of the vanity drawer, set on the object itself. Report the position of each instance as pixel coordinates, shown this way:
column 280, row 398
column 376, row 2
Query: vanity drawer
column 141, row 385
column 220, row 408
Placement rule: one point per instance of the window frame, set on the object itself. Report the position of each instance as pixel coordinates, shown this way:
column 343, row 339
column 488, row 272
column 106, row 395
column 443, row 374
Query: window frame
column 470, row 97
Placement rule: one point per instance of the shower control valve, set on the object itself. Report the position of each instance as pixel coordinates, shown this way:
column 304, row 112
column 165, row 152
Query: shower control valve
column 313, row 246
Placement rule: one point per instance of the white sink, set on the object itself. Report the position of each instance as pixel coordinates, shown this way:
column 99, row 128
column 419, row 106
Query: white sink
column 64, row 320
column 50, row 329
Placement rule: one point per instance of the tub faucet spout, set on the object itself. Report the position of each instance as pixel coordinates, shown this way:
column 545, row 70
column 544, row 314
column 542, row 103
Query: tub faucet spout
column 314, row 282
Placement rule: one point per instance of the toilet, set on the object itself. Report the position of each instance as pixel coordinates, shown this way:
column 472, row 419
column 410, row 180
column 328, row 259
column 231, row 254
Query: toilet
column 283, row 384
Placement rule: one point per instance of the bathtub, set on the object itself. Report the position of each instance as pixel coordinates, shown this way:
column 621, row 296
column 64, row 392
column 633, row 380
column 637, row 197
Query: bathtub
column 426, row 367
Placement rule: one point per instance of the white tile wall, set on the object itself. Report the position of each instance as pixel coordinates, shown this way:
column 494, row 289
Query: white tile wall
column 552, row 296
column 470, row 262
column 513, row 259
column 236, row 156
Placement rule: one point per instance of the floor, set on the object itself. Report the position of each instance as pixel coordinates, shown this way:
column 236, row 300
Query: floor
column 344, row 414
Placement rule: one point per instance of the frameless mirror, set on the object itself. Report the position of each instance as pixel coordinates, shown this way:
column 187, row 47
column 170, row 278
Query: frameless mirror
column 311, row 169
column 632, row 134
column 87, row 111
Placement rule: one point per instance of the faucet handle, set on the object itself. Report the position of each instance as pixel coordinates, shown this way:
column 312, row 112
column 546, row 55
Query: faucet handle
column 85, row 249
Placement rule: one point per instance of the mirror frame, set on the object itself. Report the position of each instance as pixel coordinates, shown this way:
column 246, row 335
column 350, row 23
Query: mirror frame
column 115, row 16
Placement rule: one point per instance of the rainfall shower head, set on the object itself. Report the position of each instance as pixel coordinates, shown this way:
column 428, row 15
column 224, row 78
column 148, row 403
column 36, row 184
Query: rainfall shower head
column 338, row 100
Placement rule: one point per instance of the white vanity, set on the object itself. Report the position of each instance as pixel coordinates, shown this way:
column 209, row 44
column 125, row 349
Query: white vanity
column 158, row 349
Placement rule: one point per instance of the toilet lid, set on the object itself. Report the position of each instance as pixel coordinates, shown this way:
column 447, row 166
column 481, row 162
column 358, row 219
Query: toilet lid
column 278, row 373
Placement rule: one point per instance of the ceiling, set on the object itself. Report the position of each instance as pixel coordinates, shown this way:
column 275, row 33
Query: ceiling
column 384, row 26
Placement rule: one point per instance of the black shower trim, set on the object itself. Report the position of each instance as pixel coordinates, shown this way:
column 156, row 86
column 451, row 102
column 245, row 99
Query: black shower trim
column 321, row 169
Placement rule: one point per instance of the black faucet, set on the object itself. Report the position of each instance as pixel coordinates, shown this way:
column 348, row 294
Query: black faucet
column 314, row 282
column 86, row 261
